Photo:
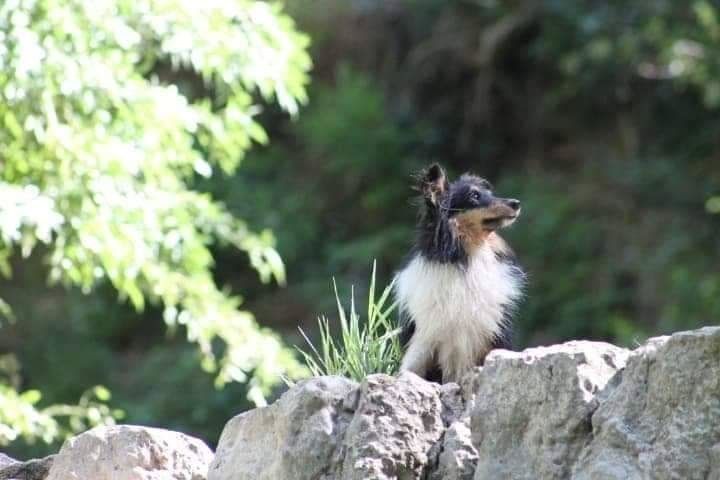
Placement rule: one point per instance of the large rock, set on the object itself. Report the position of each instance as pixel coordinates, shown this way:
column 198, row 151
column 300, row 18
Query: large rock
column 580, row 410
column 331, row 428
column 298, row 437
column 6, row 461
column 395, row 426
column 663, row 420
column 35, row 469
column 523, row 415
column 530, row 411
column 127, row 452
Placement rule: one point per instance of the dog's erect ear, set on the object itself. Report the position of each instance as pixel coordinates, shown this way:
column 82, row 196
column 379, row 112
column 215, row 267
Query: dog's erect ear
column 433, row 183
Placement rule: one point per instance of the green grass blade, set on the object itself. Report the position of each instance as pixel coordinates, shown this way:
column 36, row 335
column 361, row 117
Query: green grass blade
column 361, row 348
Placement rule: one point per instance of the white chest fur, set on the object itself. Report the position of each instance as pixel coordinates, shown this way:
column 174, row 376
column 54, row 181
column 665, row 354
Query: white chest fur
column 458, row 311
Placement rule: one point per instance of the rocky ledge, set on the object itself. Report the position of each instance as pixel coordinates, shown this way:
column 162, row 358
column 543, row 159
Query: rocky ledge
column 579, row 410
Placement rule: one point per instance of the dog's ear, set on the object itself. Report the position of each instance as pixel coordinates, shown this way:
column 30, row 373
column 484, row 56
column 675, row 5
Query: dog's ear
column 433, row 184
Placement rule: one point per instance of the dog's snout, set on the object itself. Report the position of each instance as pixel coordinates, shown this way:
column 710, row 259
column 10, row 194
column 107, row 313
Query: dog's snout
column 514, row 204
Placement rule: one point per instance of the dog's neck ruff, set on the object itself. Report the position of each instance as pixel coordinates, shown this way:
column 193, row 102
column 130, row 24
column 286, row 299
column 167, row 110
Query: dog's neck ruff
column 458, row 309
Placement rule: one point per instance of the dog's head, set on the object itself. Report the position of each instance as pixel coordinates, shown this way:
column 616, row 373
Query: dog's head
column 468, row 203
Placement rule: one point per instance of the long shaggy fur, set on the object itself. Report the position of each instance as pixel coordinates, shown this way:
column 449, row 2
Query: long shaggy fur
column 458, row 291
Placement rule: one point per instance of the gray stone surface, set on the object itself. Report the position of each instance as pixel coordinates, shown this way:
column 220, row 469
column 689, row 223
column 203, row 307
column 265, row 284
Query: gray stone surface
column 458, row 458
column 530, row 412
column 663, row 419
column 5, row 460
column 126, row 452
column 297, row 437
column 580, row 411
column 396, row 424
column 330, row 427
column 35, row 469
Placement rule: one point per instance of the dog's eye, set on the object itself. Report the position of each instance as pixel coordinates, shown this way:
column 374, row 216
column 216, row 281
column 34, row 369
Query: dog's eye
column 475, row 195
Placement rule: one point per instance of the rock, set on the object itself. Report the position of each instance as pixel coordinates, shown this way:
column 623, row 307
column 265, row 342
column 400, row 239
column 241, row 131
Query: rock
column 297, row 437
column 331, row 428
column 397, row 422
column 454, row 456
column 458, row 458
column 579, row 410
column 530, row 415
column 127, row 452
column 36, row 469
column 663, row 419
column 5, row 461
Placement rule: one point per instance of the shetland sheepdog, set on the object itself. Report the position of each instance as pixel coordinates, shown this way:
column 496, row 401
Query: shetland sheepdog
column 460, row 287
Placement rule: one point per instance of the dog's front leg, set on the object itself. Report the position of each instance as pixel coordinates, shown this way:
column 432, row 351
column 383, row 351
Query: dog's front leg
column 417, row 358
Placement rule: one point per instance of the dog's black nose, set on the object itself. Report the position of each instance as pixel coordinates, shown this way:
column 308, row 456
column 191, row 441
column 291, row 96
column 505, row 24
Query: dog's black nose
column 514, row 204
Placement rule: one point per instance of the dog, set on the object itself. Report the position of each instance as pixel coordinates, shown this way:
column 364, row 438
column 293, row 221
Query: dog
column 461, row 285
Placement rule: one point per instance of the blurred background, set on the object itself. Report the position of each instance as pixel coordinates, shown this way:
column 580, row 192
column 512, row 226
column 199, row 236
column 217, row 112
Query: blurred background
column 602, row 117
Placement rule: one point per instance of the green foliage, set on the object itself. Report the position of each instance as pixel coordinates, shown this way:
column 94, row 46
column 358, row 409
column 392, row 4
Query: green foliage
column 351, row 150
column 362, row 348
column 65, row 341
column 611, row 254
column 173, row 371
column 582, row 114
column 619, row 42
column 713, row 204
column 20, row 416
column 334, row 188
column 99, row 154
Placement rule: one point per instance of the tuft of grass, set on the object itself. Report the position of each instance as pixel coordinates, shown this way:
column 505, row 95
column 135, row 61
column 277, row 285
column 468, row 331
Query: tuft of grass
column 362, row 348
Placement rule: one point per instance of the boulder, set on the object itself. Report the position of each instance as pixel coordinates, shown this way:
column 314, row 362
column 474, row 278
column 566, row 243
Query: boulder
column 126, row 452
column 35, row 469
column 579, row 410
column 663, row 419
column 298, row 437
column 331, row 428
column 5, row 460
column 522, row 415
column 396, row 424
column 530, row 411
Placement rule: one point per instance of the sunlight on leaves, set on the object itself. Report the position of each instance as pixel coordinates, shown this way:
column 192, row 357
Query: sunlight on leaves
column 99, row 150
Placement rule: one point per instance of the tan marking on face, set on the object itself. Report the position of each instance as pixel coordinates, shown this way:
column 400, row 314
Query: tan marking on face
column 469, row 228
column 473, row 232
